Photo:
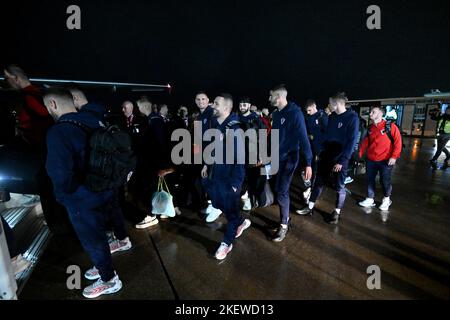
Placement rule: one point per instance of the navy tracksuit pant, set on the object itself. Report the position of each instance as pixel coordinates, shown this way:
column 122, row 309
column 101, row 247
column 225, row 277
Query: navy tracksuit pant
column 223, row 197
column 114, row 214
column 385, row 170
column 89, row 225
column 283, row 182
column 325, row 175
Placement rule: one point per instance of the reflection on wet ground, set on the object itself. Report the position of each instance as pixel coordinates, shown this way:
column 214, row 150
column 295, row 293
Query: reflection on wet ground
column 174, row 259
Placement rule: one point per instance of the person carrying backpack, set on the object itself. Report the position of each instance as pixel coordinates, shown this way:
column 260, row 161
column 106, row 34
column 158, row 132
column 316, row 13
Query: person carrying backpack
column 67, row 159
column 383, row 144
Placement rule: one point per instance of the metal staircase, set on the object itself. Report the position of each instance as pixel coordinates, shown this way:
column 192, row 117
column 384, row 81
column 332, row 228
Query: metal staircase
column 31, row 232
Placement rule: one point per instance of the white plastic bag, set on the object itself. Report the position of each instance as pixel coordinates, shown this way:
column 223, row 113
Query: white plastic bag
column 162, row 201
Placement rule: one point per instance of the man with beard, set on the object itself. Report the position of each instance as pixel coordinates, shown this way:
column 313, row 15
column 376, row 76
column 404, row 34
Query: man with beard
column 293, row 141
column 255, row 181
column 223, row 180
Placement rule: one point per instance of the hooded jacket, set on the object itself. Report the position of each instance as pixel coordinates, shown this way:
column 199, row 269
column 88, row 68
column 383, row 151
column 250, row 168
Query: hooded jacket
column 233, row 173
column 66, row 162
column 341, row 137
column 292, row 132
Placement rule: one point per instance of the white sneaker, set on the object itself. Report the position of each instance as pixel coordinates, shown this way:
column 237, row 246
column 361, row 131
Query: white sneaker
column 164, row 217
column 244, row 225
column 247, row 205
column 147, row 222
column 215, row 213
column 385, row 204
column 244, row 196
column 19, row 264
column 367, row 203
column 120, row 245
column 223, row 250
column 101, row 287
column 92, row 274
column 208, row 209
column 177, row 211
column 348, row 180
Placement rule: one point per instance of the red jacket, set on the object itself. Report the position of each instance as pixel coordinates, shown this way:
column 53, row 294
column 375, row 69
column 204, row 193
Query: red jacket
column 378, row 145
column 34, row 119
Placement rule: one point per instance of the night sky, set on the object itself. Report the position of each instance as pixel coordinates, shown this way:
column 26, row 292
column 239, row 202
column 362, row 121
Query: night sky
column 241, row 47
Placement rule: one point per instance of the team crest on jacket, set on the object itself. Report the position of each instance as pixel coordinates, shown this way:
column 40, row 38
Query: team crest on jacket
column 283, row 120
column 339, row 125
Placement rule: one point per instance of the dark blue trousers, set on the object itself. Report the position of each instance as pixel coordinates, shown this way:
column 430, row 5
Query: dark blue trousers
column 89, row 225
column 373, row 168
column 115, row 215
column 10, row 240
column 325, row 175
column 314, row 166
column 223, row 197
column 283, row 182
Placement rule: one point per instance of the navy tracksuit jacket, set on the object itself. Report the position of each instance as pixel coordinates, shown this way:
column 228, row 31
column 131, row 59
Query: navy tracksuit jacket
column 224, row 181
column 317, row 129
column 65, row 165
column 293, row 139
column 338, row 147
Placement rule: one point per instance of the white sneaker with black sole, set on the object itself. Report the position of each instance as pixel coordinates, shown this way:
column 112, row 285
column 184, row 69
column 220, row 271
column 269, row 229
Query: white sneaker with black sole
column 147, row 222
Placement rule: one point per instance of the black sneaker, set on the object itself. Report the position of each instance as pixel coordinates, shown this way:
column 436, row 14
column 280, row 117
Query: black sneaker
column 333, row 218
column 280, row 234
column 306, row 211
column 445, row 165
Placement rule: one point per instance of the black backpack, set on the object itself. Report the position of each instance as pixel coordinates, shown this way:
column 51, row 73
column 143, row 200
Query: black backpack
column 388, row 132
column 110, row 157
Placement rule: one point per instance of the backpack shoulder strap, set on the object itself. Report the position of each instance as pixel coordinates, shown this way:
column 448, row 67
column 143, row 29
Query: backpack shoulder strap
column 80, row 125
column 232, row 123
column 388, row 131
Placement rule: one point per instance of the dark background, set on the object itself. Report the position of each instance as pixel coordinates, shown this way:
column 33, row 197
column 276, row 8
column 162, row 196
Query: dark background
column 241, row 47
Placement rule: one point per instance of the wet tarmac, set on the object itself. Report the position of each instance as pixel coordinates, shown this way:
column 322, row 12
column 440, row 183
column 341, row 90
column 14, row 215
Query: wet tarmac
column 174, row 259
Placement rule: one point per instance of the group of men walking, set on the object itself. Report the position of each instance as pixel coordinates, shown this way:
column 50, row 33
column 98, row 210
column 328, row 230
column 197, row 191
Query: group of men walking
column 323, row 146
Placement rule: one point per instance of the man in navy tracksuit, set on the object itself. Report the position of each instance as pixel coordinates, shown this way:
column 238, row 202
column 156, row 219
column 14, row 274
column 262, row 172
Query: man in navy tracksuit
column 316, row 124
column 223, row 179
column 255, row 181
column 338, row 147
column 65, row 165
column 120, row 241
column 206, row 120
column 290, row 123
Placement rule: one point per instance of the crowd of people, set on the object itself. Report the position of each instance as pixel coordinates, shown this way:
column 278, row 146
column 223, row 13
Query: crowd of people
column 324, row 144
